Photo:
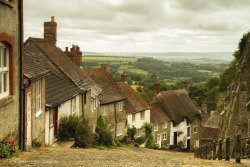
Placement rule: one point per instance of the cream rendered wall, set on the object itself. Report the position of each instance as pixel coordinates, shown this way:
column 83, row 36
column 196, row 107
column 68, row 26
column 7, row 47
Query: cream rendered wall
column 180, row 127
column 138, row 122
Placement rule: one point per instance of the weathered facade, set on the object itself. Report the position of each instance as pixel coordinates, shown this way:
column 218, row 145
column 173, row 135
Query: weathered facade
column 11, row 39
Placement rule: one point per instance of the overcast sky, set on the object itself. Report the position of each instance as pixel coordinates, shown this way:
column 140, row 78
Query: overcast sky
column 141, row 25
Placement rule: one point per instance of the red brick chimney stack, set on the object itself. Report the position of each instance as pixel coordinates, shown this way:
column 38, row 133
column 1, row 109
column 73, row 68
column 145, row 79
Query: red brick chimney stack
column 204, row 107
column 157, row 87
column 105, row 67
column 75, row 55
column 124, row 78
column 66, row 49
column 50, row 30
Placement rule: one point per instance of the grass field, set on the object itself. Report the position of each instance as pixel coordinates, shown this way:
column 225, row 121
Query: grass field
column 138, row 71
column 111, row 60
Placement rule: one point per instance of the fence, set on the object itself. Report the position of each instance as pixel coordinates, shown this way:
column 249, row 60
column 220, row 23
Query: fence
column 221, row 150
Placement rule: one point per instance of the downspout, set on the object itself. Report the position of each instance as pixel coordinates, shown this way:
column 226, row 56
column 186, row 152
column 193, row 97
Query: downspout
column 21, row 91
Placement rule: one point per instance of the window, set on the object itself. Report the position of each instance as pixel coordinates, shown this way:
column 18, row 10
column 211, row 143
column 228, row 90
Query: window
column 4, row 70
column 119, row 129
column 164, row 136
column 120, row 106
column 38, row 98
column 188, row 131
column 195, row 129
column 133, row 117
column 156, row 127
column 74, row 105
column 104, row 111
column 165, row 125
column 142, row 115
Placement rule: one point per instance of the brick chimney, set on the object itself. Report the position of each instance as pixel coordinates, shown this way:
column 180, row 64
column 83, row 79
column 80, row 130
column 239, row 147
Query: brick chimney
column 124, row 78
column 204, row 107
column 157, row 87
column 50, row 30
column 74, row 54
column 105, row 67
column 185, row 85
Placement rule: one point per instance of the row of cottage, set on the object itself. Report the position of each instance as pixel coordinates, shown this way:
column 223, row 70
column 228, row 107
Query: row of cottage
column 40, row 83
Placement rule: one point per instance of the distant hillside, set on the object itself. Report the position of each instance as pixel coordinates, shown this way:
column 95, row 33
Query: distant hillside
column 194, row 57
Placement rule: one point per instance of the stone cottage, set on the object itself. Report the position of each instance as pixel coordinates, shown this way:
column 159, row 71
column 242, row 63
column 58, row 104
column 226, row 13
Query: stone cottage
column 112, row 101
column 11, row 40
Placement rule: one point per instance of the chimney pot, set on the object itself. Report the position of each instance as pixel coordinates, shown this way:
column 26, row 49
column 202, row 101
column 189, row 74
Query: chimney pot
column 66, row 49
column 157, row 88
column 52, row 18
column 105, row 67
column 124, row 78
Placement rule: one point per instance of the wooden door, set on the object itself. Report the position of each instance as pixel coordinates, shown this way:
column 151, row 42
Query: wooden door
column 55, row 121
column 188, row 144
column 28, row 119
column 175, row 138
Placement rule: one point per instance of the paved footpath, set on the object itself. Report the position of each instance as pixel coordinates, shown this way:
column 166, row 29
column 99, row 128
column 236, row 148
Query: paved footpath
column 123, row 156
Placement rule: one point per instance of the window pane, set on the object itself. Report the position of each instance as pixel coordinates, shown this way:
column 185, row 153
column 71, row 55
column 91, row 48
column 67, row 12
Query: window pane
column 5, row 82
column 5, row 57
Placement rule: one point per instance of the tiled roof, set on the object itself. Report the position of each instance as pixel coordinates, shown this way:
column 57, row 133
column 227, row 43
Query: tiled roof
column 134, row 102
column 214, row 120
column 209, row 133
column 177, row 105
column 204, row 116
column 110, row 90
column 156, row 114
column 59, row 62
column 59, row 90
column 32, row 69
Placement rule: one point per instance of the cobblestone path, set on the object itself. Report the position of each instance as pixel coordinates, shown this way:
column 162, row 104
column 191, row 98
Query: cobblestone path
column 123, row 156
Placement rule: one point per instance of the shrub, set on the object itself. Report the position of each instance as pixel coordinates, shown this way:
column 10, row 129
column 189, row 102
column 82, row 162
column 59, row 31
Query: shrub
column 84, row 137
column 7, row 149
column 36, row 143
column 118, row 144
column 152, row 144
column 136, row 145
column 100, row 122
column 105, row 136
column 67, row 127
column 131, row 133
column 140, row 139
column 148, row 129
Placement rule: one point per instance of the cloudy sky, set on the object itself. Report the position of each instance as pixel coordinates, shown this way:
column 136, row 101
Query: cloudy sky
column 141, row 25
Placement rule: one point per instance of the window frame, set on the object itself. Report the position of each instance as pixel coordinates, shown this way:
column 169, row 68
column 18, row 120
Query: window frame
column 4, row 70
column 164, row 136
column 38, row 98
column 142, row 115
column 119, row 126
column 156, row 127
column 120, row 106
column 133, row 117
column 194, row 129
column 104, row 111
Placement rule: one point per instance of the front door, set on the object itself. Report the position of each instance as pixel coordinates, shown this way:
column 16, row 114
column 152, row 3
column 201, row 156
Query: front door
column 55, row 121
column 188, row 144
column 28, row 119
column 159, row 140
column 175, row 138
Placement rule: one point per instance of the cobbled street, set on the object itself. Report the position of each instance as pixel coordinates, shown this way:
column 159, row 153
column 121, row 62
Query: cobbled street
column 123, row 156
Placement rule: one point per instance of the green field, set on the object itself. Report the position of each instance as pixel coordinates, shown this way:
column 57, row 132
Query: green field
column 111, row 60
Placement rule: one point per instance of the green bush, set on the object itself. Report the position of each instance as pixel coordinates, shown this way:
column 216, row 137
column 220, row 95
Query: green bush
column 136, row 145
column 84, row 137
column 67, row 127
column 36, row 143
column 105, row 136
column 152, row 144
column 100, row 122
column 141, row 139
column 7, row 149
column 131, row 133
column 148, row 129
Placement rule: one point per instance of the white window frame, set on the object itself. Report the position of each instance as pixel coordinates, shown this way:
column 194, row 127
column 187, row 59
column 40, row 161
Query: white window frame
column 164, row 136
column 133, row 117
column 73, row 105
column 156, row 127
column 4, row 70
column 120, row 106
column 165, row 125
column 195, row 129
column 119, row 129
column 142, row 115
column 104, row 110
column 38, row 98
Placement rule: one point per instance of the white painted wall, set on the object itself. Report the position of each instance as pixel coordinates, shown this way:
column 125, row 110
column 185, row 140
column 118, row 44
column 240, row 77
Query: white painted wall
column 47, row 134
column 138, row 121
column 180, row 127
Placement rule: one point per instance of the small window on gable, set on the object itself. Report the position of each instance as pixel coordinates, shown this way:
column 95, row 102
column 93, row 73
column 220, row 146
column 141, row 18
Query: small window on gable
column 120, row 106
column 4, row 70
column 104, row 111
column 142, row 115
column 133, row 116
column 156, row 127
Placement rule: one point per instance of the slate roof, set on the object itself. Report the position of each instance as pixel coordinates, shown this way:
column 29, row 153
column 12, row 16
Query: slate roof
column 177, row 105
column 110, row 90
column 156, row 114
column 134, row 102
column 32, row 69
column 209, row 133
column 59, row 90
column 59, row 63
